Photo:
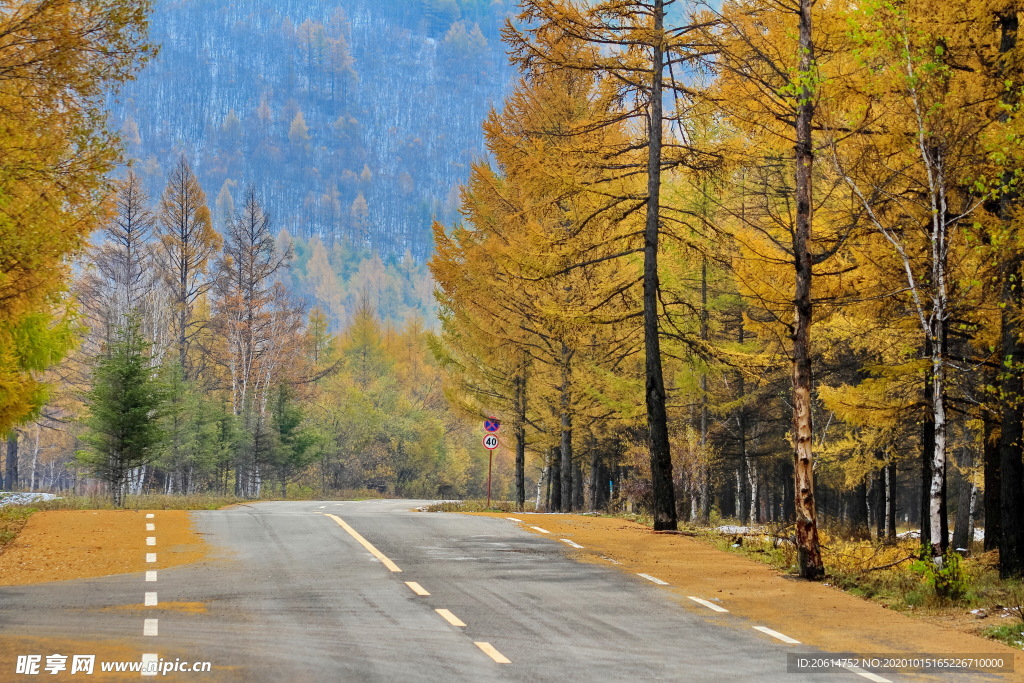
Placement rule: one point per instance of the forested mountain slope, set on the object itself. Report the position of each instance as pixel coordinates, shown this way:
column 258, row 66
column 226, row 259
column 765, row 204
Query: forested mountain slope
column 354, row 119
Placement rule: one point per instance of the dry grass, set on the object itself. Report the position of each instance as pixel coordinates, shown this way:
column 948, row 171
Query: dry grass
column 477, row 506
column 14, row 517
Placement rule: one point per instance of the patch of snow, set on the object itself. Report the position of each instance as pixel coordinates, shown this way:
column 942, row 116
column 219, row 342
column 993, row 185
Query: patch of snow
column 23, row 498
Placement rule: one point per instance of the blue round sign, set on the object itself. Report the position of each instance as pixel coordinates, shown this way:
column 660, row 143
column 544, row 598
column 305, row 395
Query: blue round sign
column 492, row 424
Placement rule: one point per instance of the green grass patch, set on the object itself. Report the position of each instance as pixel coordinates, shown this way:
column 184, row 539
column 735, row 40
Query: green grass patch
column 1009, row 634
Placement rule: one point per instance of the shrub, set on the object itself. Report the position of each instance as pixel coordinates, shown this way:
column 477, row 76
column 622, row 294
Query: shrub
column 947, row 579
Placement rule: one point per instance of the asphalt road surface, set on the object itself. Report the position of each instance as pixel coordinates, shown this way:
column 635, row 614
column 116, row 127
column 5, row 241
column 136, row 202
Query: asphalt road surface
column 374, row 591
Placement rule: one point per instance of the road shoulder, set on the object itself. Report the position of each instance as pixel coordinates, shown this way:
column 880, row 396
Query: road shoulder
column 815, row 614
column 61, row 545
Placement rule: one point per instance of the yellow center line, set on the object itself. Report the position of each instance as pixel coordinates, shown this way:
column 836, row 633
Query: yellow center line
column 416, row 588
column 450, row 618
column 493, row 653
column 366, row 544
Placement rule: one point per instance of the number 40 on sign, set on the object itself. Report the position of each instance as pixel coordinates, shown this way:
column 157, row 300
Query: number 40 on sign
column 490, row 442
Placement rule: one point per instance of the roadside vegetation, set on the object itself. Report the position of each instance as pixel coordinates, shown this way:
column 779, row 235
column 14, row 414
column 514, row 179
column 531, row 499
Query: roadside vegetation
column 966, row 593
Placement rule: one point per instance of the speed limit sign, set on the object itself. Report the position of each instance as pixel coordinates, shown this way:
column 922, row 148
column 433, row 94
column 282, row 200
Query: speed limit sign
column 490, row 442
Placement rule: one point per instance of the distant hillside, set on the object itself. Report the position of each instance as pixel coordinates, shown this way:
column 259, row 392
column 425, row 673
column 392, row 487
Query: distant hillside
column 355, row 119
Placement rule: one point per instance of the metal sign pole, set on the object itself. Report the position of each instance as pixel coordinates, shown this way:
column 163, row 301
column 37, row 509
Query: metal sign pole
column 490, row 459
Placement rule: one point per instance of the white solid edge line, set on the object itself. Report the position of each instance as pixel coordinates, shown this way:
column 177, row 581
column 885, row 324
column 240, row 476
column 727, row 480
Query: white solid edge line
column 653, row 579
column 416, row 588
column 493, row 653
column 150, row 576
column 149, row 627
column 150, row 599
column 150, row 515
column 709, row 605
column 543, row 531
column 150, row 657
column 514, row 519
column 449, row 617
column 150, row 540
column 778, row 636
column 574, row 544
column 150, row 557
column 867, row 674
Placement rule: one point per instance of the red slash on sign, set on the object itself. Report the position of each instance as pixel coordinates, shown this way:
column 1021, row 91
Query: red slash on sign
column 490, row 442
column 492, row 425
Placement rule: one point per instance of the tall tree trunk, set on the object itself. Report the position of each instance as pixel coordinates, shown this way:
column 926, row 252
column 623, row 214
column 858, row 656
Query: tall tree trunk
column 753, row 517
column 878, row 503
column 11, row 476
column 808, row 549
column 939, row 531
column 993, row 509
column 519, row 430
column 594, row 487
column 565, row 407
column 1011, row 469
column 927, row 448
column 555, row 488
column 703, row 480
column 577, row 490
column 890, row 502
column 963, row 532
column 657, row 417
column 743, row 512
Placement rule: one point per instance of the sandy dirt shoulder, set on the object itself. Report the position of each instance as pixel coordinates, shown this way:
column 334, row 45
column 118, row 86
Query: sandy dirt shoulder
column 61, row 545
column 815, row 614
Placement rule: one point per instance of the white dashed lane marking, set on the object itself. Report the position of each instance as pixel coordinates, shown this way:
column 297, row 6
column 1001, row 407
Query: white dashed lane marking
column 543, row 531
column 514, row 519
column 150, row 627
column 146, row 659
column 867, row 674
column 778, row 636
column 574, row 544
column 709, row 605
column 653, row 579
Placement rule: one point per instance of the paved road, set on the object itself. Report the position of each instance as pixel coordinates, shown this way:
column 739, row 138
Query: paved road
column 291, row 595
